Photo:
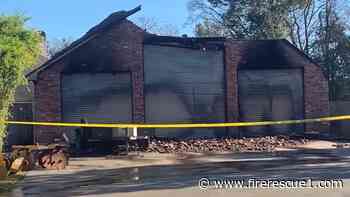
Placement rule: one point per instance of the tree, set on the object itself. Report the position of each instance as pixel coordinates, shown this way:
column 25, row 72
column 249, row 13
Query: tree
column 303, row 23
column 332, row 47
column 246, row 19
column 317, row 27
column 151, row 25
column 19, row 49
column 58, row 45
column 209, row 29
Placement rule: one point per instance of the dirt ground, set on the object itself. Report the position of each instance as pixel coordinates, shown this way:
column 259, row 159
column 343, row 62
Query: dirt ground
column 153, row 174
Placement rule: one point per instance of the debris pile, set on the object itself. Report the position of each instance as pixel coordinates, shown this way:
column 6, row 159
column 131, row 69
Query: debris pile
column 257, row 144
column 24, row 158
column 3, row 166
column 56, row 158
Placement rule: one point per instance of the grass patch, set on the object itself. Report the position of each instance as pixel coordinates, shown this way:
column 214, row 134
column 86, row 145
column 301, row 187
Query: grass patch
column 9, row 183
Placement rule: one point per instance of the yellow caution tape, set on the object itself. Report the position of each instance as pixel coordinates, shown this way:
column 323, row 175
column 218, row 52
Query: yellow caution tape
column 183, row 125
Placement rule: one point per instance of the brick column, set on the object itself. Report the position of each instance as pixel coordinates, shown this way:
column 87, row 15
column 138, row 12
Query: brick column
column 47, row 103
column 233, row 55
column 315, row 97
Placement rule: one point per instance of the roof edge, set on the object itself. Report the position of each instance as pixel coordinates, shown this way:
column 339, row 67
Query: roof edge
column 89, row 35
column 301, row 53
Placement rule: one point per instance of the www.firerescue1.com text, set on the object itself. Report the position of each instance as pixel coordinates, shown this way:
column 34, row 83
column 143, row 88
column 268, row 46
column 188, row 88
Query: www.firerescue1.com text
column 252, row 183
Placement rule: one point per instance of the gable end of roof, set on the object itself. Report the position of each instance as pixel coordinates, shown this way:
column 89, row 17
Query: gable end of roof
column 112, row 19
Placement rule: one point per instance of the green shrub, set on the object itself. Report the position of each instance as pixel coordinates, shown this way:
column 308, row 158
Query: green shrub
column 19, row 50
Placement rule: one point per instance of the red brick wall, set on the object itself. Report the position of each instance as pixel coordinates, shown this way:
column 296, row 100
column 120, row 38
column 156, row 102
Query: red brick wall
column 47, row 102
column 121, row 46
column 233, row 56
column 316, row 97
column 316, row 102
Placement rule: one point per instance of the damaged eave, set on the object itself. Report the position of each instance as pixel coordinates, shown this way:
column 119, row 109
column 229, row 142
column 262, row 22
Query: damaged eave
column 91, row 34
column 210, row 43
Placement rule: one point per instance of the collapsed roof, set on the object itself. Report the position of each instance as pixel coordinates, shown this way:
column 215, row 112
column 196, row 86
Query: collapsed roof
column 112, row 19
column 264, row 53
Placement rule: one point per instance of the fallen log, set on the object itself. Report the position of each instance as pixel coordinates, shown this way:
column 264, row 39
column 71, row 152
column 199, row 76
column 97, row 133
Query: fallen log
column 26, row 153
column 3, row 166
column 53, row 156
column 56, row 158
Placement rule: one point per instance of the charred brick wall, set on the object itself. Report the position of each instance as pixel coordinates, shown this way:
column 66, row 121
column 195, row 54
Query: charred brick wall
column 118, row 49
column 233, row 56
column 276, row 54
column 121, row 49
column 315, row 97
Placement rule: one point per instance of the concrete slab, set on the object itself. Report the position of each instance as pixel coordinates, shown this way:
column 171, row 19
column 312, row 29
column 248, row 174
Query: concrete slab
column 166, row 174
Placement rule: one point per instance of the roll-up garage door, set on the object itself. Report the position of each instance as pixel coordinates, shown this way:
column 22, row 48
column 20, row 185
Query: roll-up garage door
column 273, row 94
column 97, row 98
column 184, row 85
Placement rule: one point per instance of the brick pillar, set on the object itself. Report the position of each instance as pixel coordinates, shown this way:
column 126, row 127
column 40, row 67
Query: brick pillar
column 315, row 97
column 47, row 104
column 233, row 55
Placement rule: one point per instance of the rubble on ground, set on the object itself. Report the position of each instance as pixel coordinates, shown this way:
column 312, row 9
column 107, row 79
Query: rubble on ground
column 25, row 158
column 256, row 144
column 18, row 165
column 3, row 166
column 56, row 158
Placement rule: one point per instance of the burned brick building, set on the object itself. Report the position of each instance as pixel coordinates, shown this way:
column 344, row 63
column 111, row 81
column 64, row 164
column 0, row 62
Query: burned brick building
column 118, row 73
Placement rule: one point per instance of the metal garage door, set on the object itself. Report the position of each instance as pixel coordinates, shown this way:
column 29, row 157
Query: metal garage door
column 97, row 98
column 184, row 85
column 275, row 94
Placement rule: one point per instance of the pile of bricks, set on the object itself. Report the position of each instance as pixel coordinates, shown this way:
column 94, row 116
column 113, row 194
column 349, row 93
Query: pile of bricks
column 257, row 144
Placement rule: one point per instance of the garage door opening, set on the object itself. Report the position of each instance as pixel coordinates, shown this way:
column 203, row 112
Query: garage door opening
column 96, row 98
column 184, row 85
column 271, row 94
